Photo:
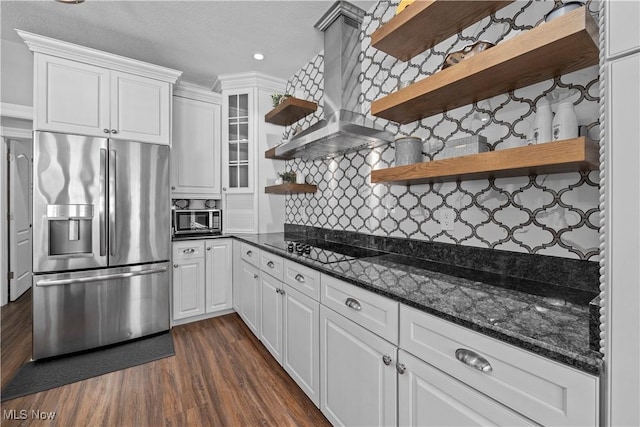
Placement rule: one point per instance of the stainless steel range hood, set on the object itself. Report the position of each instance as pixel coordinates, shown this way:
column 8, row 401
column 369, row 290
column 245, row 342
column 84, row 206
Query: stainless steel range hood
column 343, row 128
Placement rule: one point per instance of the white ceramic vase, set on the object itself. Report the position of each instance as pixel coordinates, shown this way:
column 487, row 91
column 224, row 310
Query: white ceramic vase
column 565, row 122
column 543, row 122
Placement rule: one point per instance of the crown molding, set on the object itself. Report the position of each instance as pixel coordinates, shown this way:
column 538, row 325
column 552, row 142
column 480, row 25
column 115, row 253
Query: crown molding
column 16, row 111
column 49, row 46
column 192, row 91
column 249, row 79
column 16, row 133
column 216, row 86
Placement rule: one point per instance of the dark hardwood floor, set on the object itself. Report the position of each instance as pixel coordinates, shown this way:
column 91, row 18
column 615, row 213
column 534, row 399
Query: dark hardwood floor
column 221, row 376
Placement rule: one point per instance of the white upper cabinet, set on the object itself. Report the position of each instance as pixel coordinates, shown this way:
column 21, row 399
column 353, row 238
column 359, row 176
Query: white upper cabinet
column 195, row 154
column 90, row 92
column 140, row 108
column 71, row 96
column 623, row 32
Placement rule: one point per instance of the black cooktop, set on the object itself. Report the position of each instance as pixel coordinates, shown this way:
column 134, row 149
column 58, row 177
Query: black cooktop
column 323, row 251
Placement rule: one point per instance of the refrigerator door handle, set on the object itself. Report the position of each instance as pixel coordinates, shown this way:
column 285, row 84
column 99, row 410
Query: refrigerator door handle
column 112, row 202
column 103, row 202
column 87, row 279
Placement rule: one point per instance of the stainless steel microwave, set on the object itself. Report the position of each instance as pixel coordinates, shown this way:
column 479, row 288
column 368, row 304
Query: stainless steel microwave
column 197, row 221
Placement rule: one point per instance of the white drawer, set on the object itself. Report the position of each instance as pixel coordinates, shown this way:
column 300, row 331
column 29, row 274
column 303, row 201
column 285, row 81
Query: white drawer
column 188, row 250
column 251, row 254
column 303, row 279
column 541, row 389
column 374, row 312
column 272, row 264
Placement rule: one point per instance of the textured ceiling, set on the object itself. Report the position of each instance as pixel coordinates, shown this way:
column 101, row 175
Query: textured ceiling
column 203, row 39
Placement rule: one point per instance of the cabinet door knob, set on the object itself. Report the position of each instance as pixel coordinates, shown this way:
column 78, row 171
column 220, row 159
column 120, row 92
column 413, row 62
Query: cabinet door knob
column 255, row 276
column 277, row 290
column 175, row 265
column 105, row 130
column 208, row 248
column 300, row 278
column 224, row 188
column 400, row 368
column 473, row 359
column 353, row 303
column 270, row 264
column 173, row 187
column 114, row 131
column 386, row 359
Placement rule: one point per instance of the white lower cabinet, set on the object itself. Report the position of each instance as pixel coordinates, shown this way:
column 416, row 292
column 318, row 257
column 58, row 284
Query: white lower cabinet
column 301, row 341
column 357, row 374
column 366, row 360
column 429, row 397
column 249, row 298
column 202, row 278
column 271, row 315
column 188, row 280
column 290, row 329
column 219, row 275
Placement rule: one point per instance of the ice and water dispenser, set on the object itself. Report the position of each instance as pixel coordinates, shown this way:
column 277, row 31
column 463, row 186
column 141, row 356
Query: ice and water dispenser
column 70, row 229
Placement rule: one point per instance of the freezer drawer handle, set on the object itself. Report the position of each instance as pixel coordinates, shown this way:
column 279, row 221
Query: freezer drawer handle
column 473, row 359
column 99, row 278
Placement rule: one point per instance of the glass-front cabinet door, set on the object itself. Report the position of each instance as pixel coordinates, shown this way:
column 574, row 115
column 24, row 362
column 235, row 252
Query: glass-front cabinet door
column 239, row 143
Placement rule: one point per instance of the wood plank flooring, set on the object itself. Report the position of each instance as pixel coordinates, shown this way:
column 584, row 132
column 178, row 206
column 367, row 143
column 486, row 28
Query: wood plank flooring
column 221, row 376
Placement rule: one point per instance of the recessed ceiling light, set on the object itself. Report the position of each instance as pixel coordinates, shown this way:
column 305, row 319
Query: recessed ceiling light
column 70, row 1
column 258, row 56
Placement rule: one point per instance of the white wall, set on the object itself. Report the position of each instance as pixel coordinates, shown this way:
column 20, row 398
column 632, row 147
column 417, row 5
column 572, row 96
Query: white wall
column 16, row 66
column 271, row 206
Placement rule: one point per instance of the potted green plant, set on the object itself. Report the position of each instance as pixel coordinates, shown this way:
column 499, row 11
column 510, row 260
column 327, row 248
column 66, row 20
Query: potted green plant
column 289, row 176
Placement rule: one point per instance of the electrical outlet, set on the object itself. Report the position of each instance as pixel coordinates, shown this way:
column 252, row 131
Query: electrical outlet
column 447, row 218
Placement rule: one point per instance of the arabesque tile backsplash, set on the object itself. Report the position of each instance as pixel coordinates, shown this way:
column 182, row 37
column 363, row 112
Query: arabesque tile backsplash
column 548, row 214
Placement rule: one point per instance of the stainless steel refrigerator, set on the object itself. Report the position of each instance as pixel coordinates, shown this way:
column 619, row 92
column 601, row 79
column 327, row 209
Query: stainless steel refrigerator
column 101, row 239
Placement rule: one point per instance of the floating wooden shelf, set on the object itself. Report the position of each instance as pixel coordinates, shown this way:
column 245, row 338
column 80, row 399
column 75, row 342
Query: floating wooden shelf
column 568, row 155
column 423, row 24
column 566, row 44
column 271, row 154
column 290, row 111
column 290, row 188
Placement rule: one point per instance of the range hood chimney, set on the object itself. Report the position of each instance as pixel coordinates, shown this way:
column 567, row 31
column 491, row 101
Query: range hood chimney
column 344, row 128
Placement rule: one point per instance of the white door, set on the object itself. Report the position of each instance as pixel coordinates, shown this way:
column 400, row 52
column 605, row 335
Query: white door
column 429, row 397
column 71, row 97
column 250, row 296
column 140, row 108
column 188, row 288
column 301, row 341
column 20, row 252
column 218, row 275
column 271, row 315
column 195, row 153
column 358, row 387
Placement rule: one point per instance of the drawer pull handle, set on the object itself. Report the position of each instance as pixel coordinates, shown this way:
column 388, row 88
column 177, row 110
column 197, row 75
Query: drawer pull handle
column 353, row 303
column 473, row 359
column 249, row 253
column 400, row 368
column 386, row 359
column 300, row 278
column 188, row 251
column 270, row 264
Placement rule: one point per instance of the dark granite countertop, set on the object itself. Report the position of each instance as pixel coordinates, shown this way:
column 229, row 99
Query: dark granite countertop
column 547, row 320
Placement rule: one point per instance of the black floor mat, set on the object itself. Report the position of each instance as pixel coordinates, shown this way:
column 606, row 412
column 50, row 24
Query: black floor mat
column 37, row 376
